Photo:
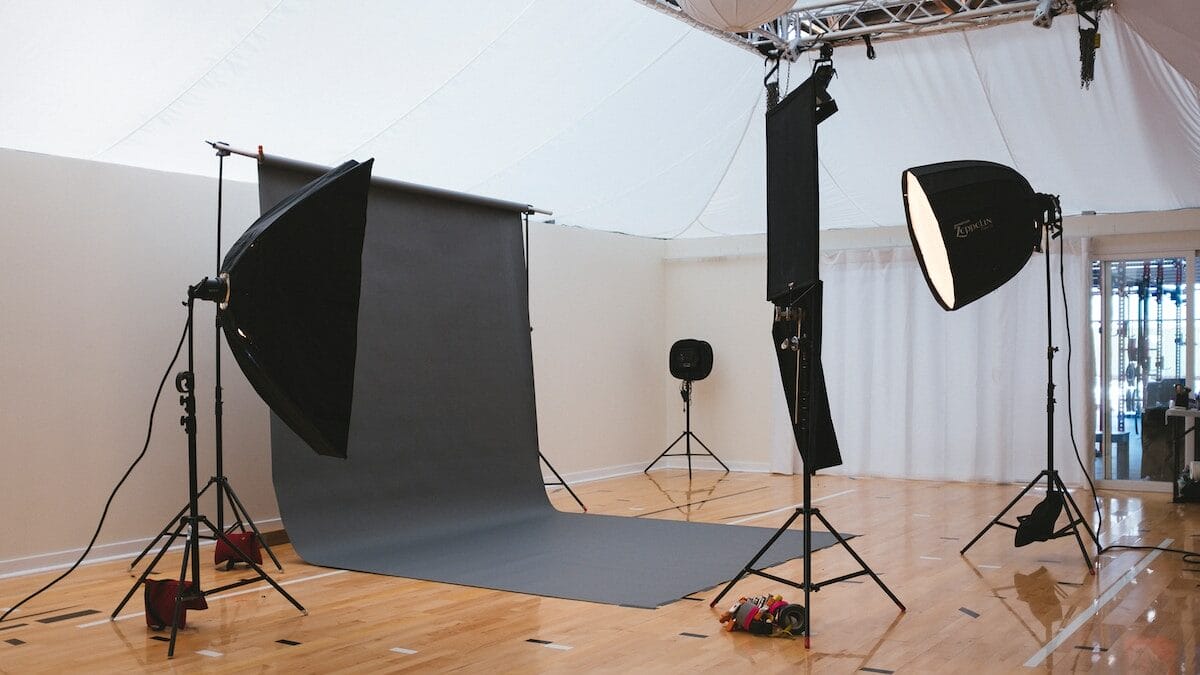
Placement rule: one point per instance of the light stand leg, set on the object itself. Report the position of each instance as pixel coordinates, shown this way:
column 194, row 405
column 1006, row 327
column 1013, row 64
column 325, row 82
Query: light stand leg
column 1082, row 519
column 189, row 574
column 802, row 341
column 846, row 545
column 711, row 453
column 240, row 513
column 749, row 568
column 999, row 516
column 675, row 442
column 561, row 481
column 166, row 529
column 150, row 568
column 1050, row 229
column 686, row 435
column 262, row 574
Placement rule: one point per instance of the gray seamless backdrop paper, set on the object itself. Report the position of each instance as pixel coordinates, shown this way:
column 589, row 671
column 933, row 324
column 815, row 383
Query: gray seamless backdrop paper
column 442, row 480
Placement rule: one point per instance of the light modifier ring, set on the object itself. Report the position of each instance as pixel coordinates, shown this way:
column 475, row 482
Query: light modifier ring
column 223, row 304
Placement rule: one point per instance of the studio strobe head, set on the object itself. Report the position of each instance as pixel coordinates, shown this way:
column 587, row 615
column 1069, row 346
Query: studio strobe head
column 691, row 360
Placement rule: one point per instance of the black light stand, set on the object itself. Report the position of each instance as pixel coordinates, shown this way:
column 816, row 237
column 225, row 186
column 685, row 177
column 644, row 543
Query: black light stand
column 191, row 520
column 224, row 490
column 559, row 481
column 797, row 325
column 685, row 391
column 1051, row 223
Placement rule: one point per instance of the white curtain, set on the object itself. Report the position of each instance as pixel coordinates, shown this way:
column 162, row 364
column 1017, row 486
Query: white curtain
column 918, row 392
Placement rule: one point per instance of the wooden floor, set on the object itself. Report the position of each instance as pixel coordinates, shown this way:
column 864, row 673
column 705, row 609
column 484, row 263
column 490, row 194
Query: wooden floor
column 994, row 610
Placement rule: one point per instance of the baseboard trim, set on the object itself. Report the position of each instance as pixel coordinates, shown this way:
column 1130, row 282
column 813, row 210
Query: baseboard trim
column 100, row 553
column 700, row 463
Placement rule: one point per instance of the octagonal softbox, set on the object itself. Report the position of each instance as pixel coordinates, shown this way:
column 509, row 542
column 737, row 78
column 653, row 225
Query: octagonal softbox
column 291, row 319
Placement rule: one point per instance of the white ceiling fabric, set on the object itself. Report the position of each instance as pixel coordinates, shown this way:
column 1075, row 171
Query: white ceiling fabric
column 1171, row 27
column 612, row 114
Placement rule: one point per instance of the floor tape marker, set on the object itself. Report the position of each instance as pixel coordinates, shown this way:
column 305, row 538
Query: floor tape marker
column 793, row 507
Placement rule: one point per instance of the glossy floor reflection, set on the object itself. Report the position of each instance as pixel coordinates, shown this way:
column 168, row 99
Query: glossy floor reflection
column 997, row 609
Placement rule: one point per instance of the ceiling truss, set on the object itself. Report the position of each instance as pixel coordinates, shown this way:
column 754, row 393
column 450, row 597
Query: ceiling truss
column 812, row 23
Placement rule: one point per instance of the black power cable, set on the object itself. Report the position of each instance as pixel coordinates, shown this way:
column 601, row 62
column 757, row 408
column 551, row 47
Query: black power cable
column 149, row 430
column 1062, row 283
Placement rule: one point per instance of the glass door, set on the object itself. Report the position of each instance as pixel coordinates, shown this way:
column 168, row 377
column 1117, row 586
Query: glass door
column 1143, row 348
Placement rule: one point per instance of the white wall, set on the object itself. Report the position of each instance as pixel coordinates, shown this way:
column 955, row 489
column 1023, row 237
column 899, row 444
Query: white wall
column 721, row 300
column 599, row 354
column 96, row 259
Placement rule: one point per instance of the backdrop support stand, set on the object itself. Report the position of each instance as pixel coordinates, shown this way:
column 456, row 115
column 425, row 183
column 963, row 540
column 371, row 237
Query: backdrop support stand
column 188, row 526
column 802, row 342
column 557, row 476
column 686, row 436
column 241, row 517
column 1052, row 228
column 559, row 481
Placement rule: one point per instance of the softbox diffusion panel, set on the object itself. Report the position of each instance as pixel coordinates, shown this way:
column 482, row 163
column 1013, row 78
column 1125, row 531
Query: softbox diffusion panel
column 292, row 311
column 442, row 478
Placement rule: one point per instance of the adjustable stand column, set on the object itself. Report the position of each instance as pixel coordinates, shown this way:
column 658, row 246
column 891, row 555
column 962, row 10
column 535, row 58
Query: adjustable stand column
column 188, row 526
column 799, row 322
column 241, row 517
column 1055, row 488
column 685, row 390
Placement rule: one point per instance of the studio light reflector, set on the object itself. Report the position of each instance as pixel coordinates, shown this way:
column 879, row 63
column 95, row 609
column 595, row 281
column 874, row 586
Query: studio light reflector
column 291, row 305
column 973, row 225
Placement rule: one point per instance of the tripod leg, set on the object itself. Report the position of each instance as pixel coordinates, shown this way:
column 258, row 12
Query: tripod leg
column 166, row 529
column 238, row 512
column 563, row 482
column 688, row 444
column 1077, row 519
column 260, row 571
column 711, row 453
column 763, row 551
column 187, row 550
column 1086, row 526
column 846, row 545
column 150, row 568
column 664, row 452
column 1000, row 515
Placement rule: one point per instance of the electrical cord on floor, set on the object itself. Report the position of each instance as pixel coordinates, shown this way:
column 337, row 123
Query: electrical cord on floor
column 1189, row 557
column 149, row 431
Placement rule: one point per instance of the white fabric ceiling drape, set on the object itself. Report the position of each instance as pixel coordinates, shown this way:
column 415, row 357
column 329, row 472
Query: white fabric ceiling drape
column 1170, row 27
column 612, row 114
column 919, row 392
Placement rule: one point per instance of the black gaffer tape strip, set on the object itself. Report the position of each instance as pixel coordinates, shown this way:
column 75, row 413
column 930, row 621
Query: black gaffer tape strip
column 970, row 613
column 695, row 635
column 539, row 642
column 290, row 643
column 877, row 670
column 15, row 625
column 160, row 638
column 72, row 615
column 15, row 642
